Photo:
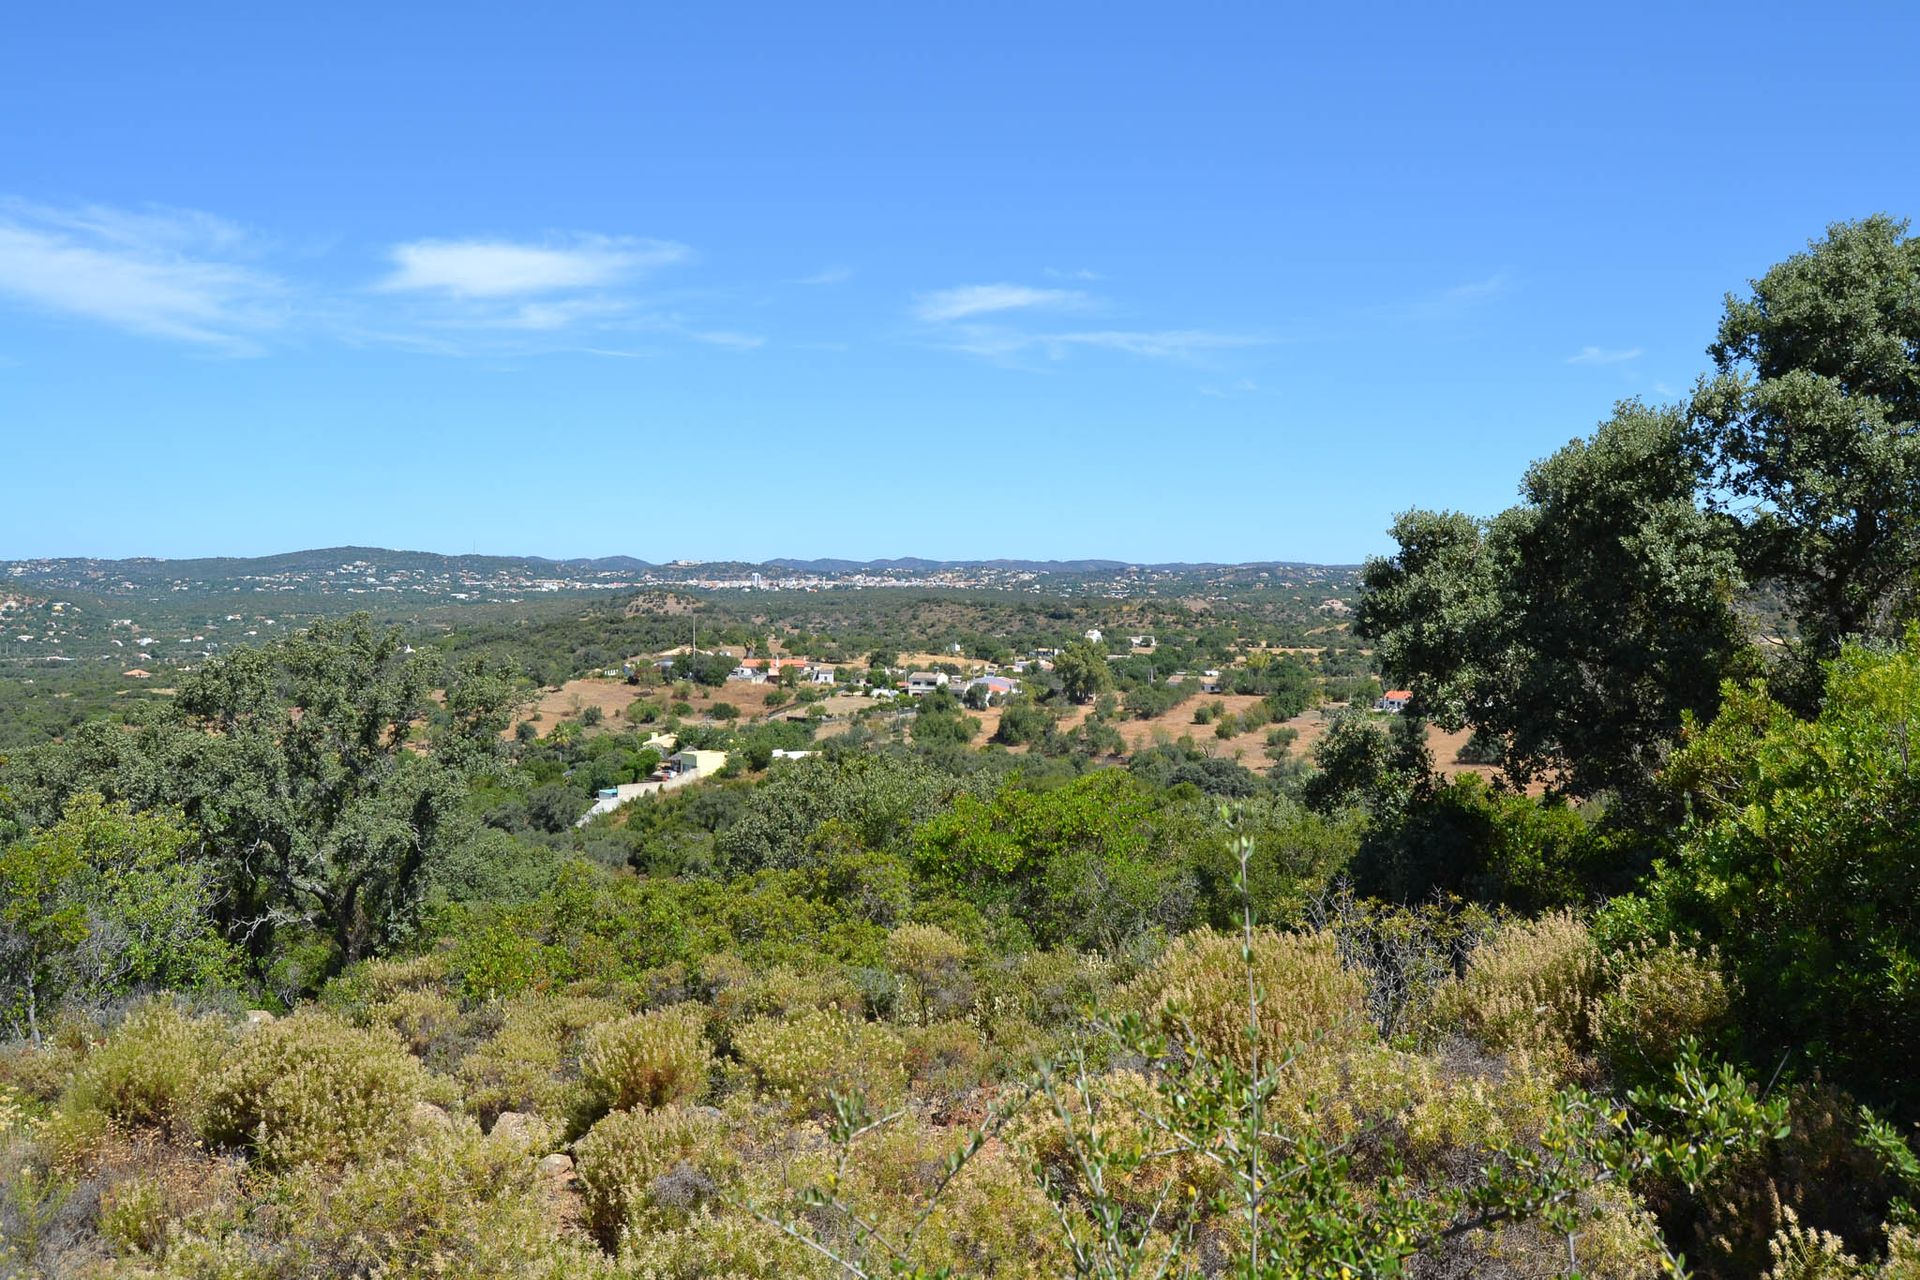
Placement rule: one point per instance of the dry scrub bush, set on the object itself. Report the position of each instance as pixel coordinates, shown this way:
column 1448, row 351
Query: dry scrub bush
column 1021, row 1002
column 1618, row 1241
column 945, row 1060
column 450, row 1205
column 816, row 1053
column 1120, row 1114
column 42, row 1073
column 429, row 1023
column 531, row 1062
column 713, row 1245
column 933, row 965
column 992, row 1219
column 650, row 1059
column 376, row 981
column 152, row 1071
column 1660, row 997
column 131, row 1194
column 739, row 995
column 1463, row 1105
column 1803, row 1253
column 313, row 1089
column 1529, row 987
column 1199, row 987
column 648, row 1168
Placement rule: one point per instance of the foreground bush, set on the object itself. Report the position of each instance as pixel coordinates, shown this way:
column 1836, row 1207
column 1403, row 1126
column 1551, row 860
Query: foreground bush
column 1529, row 987
column 313, row 1089
column 805, row 1059
column 1306, row 996
column 532, row 1062
column 649, row 1167
column 153, row 1070
column 649, row 1060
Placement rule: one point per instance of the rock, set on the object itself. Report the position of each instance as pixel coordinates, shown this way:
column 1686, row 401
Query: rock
column 426, row 1115
column 566, row 1207
column 258, row 1017
column 519, row 1128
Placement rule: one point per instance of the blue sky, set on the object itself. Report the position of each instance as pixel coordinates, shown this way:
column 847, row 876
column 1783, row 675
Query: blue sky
column 1168, row 282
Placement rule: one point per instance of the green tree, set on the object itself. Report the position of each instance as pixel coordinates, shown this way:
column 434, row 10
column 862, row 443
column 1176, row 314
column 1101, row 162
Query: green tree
column 1810, row 429
column 104, row 902
column 297, row 763
column 1801, row 864
column 1083, row 672
column 1578, row 628
column 938, row 721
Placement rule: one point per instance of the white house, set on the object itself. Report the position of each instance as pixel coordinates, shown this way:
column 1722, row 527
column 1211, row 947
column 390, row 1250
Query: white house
column 697, row 763
column 1393, row 701
column 996, row 686
column 820, row 675
column 921, row 682
column 1093, row 635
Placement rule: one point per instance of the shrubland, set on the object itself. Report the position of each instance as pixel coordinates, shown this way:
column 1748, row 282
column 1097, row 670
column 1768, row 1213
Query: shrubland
column 309, row 971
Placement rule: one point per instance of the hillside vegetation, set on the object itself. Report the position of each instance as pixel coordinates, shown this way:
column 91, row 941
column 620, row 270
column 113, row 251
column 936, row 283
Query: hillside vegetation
column 317, row 965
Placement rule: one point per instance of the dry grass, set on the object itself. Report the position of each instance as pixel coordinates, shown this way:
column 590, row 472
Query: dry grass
column 1250, row 748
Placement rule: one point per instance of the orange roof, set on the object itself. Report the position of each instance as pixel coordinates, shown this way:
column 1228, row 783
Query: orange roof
column 1401, row 694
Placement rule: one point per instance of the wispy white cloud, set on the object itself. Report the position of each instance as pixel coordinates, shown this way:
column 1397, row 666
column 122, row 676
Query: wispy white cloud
column 556, row 314
column 1002, row 322
column 1078, row 273
column 1004, row 342
column 1493, row 286
column 504, row 268
column 725, row 338
column 1605, row 355
column 575, row 293
column 836, row 274
column 1157, row 343
column 166, row 273
column 983, row 299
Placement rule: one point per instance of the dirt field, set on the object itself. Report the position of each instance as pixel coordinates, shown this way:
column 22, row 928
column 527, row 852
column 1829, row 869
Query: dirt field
column 614, row 696
column 574, row 697
column 1249, row 749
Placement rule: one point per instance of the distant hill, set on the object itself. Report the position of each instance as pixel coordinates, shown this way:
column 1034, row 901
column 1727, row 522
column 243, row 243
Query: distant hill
column 340, row 564
column 916, row 565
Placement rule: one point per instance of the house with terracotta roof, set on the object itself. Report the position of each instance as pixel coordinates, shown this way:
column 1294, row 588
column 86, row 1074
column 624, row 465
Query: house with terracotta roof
column 1393, row 701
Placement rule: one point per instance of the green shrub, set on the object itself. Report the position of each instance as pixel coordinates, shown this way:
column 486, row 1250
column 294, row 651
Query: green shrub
column 313, row 1088
column 1200, row 988
column 734, row 1245
column 816, row 1053
column 1661, row 997
column 652, row 1059
column 532, row 1062
column 934, row 964
column 624, row 1161
column 1528, row 987
column 152, row 1070
column 494, row 959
